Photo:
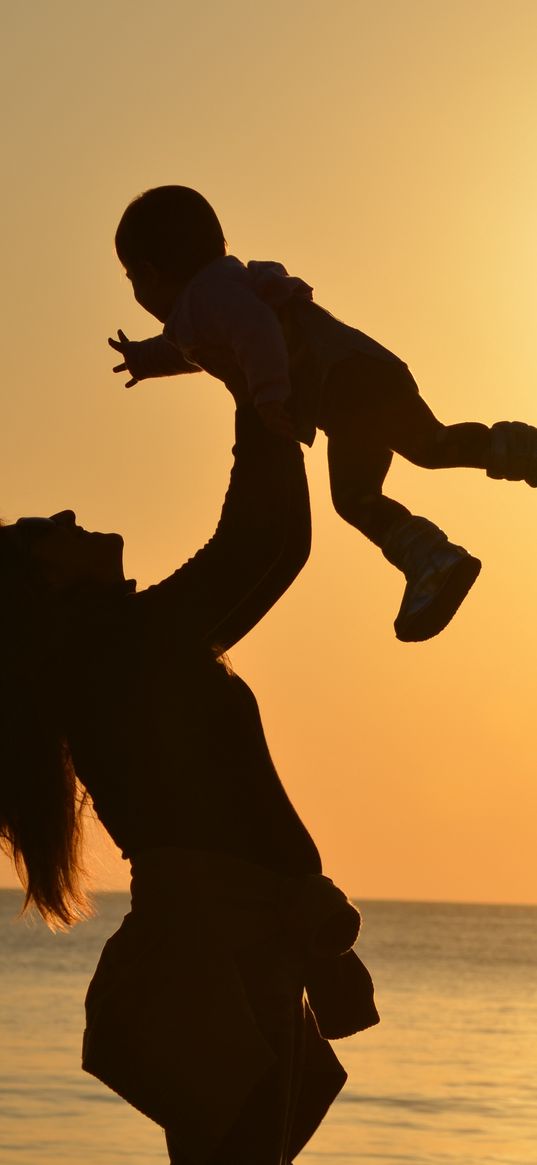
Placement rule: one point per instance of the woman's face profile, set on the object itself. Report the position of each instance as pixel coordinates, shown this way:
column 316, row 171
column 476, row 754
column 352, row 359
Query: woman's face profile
column 68, row 556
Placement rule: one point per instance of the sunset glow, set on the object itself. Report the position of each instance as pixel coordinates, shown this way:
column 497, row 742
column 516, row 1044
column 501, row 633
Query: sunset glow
column 385, row 153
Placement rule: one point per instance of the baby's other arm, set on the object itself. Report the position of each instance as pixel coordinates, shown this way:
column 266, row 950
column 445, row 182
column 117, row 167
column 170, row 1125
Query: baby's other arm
column 147, row 358
column 277, row 418
column 228, row 314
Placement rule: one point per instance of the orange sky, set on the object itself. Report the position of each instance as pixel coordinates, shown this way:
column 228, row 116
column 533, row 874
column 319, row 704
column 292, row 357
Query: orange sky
column 386, row 153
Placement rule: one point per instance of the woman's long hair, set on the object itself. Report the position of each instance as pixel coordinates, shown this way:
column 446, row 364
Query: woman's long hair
column 40, row 801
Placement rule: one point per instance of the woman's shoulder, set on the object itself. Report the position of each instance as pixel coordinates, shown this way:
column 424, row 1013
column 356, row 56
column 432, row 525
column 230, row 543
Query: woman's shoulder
column 167, row 619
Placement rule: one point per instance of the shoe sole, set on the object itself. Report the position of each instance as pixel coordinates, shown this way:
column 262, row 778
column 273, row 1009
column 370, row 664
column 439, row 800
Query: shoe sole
column 431, row 621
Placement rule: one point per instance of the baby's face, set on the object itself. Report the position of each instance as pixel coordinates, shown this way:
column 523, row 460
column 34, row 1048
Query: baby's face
column 155, row 292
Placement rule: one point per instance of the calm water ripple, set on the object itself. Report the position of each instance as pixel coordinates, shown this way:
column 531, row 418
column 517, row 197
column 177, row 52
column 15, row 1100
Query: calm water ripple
column 448, row 1078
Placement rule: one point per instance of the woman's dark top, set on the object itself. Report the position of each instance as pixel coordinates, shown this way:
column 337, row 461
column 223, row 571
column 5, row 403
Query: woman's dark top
column 166, row 739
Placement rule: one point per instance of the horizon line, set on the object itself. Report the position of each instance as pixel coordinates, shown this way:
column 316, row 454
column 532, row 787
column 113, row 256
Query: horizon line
column 356, row 899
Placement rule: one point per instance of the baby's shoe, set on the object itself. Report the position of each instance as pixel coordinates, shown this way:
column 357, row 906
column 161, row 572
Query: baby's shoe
column 439, row 576
column 513, row 452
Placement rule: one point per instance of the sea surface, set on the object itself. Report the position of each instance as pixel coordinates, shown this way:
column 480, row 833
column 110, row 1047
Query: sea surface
column 449, row 1076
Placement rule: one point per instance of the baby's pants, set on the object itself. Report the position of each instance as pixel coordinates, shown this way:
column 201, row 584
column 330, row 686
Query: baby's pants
column 372, row 408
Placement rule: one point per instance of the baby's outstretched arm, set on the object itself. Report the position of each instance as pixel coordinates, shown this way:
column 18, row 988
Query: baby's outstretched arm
column 148, row 358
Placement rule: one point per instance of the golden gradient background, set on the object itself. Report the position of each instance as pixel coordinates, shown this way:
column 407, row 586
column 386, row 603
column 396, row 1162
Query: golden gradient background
column 386, row 152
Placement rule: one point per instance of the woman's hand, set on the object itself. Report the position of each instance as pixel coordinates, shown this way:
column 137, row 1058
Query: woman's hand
column 122, row 346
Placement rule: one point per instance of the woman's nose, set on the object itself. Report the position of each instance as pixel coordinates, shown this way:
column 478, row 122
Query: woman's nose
column 64, row 518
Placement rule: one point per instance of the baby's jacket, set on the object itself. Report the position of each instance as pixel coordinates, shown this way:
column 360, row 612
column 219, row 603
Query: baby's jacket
column 257, row 329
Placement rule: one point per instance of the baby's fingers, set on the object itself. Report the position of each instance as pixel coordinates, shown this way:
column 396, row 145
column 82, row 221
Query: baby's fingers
column 120, row 343
column 120, row 368
column 129, row 383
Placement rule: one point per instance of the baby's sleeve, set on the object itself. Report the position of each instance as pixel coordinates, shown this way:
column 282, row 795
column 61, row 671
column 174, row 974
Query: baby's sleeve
column 227, row 314
column 156, row 357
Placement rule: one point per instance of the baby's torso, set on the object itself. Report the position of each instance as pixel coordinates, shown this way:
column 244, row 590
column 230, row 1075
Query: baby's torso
column 314, row 339
column 316, row 343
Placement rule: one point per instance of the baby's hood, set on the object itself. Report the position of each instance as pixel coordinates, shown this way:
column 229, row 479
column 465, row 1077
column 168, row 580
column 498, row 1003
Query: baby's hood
column 273, row 284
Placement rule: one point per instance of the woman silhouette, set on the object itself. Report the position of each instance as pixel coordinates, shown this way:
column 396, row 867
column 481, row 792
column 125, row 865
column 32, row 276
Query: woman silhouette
column 197, row 1012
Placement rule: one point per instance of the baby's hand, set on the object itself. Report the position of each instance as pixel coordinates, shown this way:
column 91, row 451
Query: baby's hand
column 277, row 418
column 122, row 346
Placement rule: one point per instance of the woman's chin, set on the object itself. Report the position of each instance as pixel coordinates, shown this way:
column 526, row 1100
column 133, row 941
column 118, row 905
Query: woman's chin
column 110, row 565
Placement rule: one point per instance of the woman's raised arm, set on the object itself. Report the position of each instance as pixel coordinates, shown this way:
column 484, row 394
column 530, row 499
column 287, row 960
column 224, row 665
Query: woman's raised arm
column 260, row 544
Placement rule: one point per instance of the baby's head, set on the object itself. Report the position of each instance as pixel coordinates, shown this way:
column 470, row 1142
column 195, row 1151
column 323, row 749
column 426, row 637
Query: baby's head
column 164, row 237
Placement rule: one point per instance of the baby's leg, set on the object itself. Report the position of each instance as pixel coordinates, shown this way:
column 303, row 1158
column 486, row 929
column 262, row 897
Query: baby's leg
column 358, row 466
column 411, row 429
column 408, row 426
column 438, row 574
column 359, row 453
column 370, row 408
column 383, row 398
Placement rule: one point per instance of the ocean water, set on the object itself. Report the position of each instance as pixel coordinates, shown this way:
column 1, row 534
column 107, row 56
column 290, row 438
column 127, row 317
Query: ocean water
column 449, row 1076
